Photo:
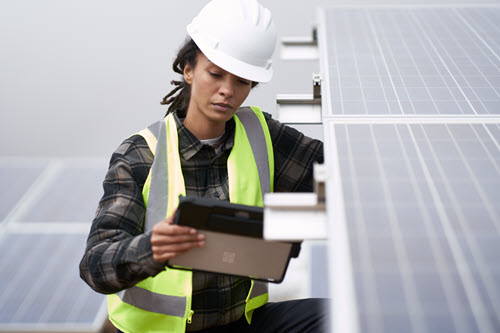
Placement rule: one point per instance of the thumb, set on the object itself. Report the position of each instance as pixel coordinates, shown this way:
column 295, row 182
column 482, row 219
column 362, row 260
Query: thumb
column 170, row 219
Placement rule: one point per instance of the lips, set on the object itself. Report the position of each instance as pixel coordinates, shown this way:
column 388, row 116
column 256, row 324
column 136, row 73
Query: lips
column 222, row 107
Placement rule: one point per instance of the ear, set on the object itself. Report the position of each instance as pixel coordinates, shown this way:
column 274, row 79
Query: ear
column 188, row 74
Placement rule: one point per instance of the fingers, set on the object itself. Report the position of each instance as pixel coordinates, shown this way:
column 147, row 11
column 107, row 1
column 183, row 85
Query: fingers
column 167, row 252
column 165, row 234
column 169, row 240
column 167, row 228
column 161, row 240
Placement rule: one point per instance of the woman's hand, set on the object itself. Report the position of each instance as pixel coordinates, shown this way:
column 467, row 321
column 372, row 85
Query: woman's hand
column 168, row 240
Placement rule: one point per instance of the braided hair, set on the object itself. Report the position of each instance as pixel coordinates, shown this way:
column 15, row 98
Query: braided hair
column 188, row 53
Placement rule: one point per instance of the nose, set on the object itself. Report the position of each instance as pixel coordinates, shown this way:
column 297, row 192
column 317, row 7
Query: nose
column 226, row 88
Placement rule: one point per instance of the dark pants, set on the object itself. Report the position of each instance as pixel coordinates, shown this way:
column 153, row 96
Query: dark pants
column 305, row 315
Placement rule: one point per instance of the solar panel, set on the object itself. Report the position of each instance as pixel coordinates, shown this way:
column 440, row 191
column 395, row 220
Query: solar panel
column 424, row 223
column 17, row 178
column 411, row 110
column 55, row 191
column 72, row 195
column 413, row 60
column 45, row 292
column 41, row 288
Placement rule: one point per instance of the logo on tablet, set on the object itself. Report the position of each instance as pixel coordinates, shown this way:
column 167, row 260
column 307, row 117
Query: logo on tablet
column 228, row 257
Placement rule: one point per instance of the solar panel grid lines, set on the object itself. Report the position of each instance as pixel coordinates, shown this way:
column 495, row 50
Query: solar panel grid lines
column 408, row 68
column 477, row 60
column 380, row 39
column 489, row 206
column 435, row 93
column 85, row 179
column 36, row 299
column 412, row 59
column 29, row 308
column 409, row 289
column 42, row 290
column 11, row 296
column 471, row 288
column 453, row 69
column 33, row 194
column 357, row 71
column 371, row 299
column 410, row 162
column 451, row 298
column 6, row 268
column 486, row 39
column 60, row 292
column 361, row 243
column 17, row 177
column 447, row 69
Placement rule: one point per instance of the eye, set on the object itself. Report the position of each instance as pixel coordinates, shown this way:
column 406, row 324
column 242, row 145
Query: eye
column 246, row 83
column 214, row 74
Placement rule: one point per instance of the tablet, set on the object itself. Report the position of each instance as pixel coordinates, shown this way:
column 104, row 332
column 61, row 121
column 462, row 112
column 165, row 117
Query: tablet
column 233, row 241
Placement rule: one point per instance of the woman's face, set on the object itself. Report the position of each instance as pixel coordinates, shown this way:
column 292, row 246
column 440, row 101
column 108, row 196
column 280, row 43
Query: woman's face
column 215, row 93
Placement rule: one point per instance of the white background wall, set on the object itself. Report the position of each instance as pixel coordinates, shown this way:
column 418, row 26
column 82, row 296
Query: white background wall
column 77, row 77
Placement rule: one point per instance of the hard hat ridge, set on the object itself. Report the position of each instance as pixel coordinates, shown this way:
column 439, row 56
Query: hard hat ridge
column 238, row 36
column 256, row 12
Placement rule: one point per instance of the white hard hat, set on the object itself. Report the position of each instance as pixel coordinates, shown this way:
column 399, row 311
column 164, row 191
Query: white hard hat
column 237, row 35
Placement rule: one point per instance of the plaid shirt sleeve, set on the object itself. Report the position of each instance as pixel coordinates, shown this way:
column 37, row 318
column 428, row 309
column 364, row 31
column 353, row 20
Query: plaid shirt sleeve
column 294, row 155
column 118, row 253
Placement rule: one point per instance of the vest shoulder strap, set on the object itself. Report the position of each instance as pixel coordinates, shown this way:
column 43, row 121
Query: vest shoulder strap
column 150, row 134
column 258, row 135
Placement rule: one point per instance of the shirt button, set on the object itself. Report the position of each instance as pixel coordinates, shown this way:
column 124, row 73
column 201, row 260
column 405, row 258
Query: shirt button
column 216, row 194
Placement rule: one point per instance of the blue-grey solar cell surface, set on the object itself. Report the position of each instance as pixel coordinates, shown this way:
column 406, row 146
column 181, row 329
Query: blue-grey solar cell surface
column 17, row 178
column 411, row 103
column 41, row 289
column 42, row 286
column 414, row 60
column 424, row 224
column 76, row 187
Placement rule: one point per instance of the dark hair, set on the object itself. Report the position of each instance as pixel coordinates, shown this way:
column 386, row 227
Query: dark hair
column 188, row 53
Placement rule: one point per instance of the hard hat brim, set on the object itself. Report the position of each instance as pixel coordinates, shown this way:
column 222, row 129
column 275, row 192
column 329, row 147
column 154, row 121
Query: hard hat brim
column 228, row 63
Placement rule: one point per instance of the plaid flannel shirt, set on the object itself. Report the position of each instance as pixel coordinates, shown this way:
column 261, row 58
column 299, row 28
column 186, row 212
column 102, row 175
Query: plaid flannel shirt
column 118, row 253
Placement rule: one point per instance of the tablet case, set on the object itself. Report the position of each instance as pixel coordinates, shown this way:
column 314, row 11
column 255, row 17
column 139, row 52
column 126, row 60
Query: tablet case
column 233, row 241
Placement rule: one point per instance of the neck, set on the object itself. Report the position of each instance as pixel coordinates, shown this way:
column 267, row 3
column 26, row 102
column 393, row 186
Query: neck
column 203, row 129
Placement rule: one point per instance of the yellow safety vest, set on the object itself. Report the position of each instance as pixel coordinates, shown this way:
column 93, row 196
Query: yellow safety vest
column 163, row 303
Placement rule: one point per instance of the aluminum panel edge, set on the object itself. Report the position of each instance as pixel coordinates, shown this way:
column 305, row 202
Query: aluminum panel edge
column 343, row 305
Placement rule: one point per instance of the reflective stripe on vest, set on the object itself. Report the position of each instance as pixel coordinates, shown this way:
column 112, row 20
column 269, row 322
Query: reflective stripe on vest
column 257, row 137
column 154, row 302
column 163, row 303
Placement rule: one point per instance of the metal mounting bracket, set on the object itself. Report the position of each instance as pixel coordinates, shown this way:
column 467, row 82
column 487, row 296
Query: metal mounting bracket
column 300, row 48
column 297, row 216
column 301, row 108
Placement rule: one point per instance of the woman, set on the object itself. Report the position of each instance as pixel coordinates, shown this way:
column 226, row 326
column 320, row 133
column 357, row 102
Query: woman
column 205, row 133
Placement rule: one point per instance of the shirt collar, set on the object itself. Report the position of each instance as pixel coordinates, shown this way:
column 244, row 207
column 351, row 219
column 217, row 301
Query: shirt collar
column 189, row 145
